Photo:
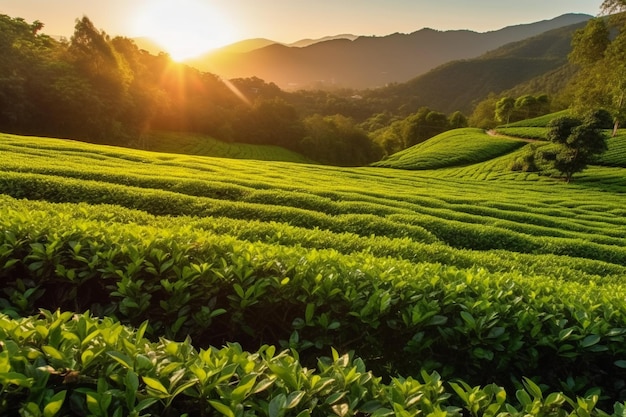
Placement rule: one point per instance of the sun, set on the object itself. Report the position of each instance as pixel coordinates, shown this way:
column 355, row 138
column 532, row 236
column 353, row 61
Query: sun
column 184, row 28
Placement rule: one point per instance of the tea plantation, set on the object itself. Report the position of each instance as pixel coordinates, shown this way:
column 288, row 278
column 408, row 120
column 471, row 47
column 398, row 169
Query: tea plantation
column 139, row 283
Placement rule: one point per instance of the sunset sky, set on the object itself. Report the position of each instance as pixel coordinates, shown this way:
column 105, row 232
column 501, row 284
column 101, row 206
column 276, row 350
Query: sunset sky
column 178, row 25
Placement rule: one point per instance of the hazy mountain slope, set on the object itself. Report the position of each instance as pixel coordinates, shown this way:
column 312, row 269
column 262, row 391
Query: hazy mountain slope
column 308, row 42
column 368, row 62
column 538, row 61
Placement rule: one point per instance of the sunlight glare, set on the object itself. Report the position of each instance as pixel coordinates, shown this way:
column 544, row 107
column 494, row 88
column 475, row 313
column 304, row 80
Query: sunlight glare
column 184, row 28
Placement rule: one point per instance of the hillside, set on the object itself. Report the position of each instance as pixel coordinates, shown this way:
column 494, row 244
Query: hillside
column 202, row 269
column 459, row 84
column 369, row 62
column 452, row 148
column 204, row 145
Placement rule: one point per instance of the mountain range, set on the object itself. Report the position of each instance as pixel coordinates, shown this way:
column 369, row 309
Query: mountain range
column 364, row 62
column 534, row 65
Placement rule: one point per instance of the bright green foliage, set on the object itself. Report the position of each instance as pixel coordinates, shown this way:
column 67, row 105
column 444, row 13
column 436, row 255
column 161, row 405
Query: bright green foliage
column 541, row 121
column 484, row 281
column 452, row 148
column 576, row 142
column 601, row 80
column 539, row 133
column 62, row 363
column 615, row 154
column 204, row 145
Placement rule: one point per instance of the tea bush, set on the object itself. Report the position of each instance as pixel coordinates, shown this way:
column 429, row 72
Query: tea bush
column 475, row 273
column 69, row 364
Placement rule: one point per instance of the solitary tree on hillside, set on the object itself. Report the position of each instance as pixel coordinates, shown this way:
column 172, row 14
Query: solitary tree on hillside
column 578, row 141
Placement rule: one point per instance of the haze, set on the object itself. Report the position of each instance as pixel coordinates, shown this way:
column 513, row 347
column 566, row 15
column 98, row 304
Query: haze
column 188, row 27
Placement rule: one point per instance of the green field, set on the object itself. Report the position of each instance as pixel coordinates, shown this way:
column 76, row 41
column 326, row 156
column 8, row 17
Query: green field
column 452, row 148
column 203, row 145
column 272, row 288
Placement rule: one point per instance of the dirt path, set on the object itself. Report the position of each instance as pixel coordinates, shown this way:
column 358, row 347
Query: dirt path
column 495, row 134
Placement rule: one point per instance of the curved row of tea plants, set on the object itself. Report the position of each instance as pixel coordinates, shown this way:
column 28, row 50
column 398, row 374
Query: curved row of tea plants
column 616, row 152
column 452, row 148
column 313, row 257
column 203, row 145
column 560, row 267
column 393, row 205
column 64, row 364
column 467, row 227
column 400, row 317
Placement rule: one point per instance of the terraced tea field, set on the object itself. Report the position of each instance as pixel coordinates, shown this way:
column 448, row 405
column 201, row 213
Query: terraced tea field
column 203, row 145
column 469, row 272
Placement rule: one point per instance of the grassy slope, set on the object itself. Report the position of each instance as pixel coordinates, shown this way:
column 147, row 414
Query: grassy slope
column 466, row 147
column 203, row 145
column 515, row 212
column 477, row 219
column 616, row 153
column 452, row 148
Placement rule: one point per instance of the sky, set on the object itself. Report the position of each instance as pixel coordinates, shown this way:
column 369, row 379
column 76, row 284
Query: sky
column 194, row 26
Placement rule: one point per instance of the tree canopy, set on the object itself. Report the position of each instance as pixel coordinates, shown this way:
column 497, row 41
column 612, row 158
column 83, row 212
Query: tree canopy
column 601, row 58
column 576, row 141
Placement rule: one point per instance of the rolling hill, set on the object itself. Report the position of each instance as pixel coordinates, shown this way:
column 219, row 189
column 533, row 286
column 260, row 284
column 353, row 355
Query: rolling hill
column 453, row 148
column 368, row 61
column 173, row 284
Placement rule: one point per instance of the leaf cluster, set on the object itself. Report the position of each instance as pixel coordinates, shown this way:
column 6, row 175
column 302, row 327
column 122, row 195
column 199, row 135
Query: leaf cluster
column 70, row 364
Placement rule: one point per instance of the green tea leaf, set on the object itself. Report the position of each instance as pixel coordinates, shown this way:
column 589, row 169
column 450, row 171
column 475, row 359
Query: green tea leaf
column 155, row 384
column 222, row 408
column 54, row 405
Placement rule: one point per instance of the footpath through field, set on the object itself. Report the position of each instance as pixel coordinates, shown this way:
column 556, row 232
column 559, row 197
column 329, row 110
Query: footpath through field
column 492, row 132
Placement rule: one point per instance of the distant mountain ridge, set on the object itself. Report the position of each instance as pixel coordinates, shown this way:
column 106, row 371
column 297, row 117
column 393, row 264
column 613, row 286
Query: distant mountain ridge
column 366, row 61
column 534, row 65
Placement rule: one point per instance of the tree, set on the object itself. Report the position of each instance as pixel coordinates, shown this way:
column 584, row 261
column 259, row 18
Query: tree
column 577, row 143
column 613, row 6
column 457, row 120
column 423, row 125
column 337, row 140
column 484, row 112
column 527, row 106
column 504, row 109
column 601, row 79
column 590, row 43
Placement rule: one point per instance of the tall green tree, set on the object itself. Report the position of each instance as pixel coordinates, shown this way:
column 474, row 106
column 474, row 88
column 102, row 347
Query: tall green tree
column 601, row 79
column 422, row 125
column 457, row 120
column 504, row 109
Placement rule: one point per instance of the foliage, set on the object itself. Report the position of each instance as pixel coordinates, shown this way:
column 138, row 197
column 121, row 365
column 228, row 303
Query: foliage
column 337, row 140
column 411, row 272
column 538, row 133
column 63, row 363
column 457, row 147
column 107, row 90
column 601, row 81
column 540, row 121
column 203, row 145
column 616, row 152
column 416, row 128
column 577, row 143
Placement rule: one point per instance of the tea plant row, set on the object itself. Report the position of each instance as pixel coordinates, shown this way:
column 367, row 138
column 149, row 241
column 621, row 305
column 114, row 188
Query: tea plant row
column 399, row 316
column 67, row 364
column 452, row 148
column 467, row 227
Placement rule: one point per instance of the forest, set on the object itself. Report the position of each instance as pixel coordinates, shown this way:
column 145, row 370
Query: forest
column 100, row 89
